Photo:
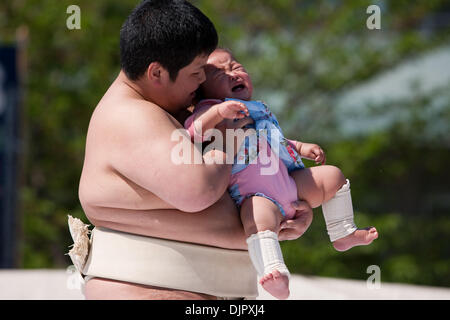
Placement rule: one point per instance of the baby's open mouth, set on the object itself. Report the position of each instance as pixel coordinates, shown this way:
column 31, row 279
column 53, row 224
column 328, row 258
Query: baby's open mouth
column 237, row 88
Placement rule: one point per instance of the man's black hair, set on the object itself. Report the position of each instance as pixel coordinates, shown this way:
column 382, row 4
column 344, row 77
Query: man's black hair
column 171, row 32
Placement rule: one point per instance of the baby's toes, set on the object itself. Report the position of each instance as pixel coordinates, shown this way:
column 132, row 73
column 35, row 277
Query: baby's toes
column 265, row 278
column 276, row 274
column 373, row 234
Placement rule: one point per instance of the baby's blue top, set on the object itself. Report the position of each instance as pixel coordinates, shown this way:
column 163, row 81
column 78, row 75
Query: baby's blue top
column 266, row 125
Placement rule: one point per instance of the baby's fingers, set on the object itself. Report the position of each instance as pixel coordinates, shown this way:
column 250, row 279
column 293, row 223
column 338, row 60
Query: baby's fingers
column 239, row 115
column 319, row 159
column 319, row 155
column 241, row 108
column 241, row 122
column 324, row 159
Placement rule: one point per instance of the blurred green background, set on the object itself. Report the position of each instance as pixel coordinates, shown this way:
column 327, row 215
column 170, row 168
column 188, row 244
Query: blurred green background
column 377, row 101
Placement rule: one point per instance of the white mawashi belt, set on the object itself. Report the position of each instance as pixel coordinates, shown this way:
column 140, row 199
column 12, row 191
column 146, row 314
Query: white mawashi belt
column 164, row 263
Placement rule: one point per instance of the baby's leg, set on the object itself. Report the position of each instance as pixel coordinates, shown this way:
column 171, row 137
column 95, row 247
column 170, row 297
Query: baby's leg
column 317, row 185
column 327, row 186
column 261, row 220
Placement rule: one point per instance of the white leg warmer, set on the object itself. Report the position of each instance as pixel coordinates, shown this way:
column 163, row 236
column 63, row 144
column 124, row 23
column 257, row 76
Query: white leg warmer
column 338, row 214
column 265, row 253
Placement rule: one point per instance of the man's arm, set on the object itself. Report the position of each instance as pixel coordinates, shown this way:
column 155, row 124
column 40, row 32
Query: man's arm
column 218, row 226
column 147, row 156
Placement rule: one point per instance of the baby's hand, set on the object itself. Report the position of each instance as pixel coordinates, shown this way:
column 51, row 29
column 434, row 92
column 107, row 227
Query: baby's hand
column 232, row 110
column 312, row 152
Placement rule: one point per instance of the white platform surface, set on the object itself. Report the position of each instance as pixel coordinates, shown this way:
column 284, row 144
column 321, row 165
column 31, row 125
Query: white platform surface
column 44, row 284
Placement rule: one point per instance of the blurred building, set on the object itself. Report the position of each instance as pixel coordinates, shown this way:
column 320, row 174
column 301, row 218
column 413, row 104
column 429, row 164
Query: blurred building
column 9, row 144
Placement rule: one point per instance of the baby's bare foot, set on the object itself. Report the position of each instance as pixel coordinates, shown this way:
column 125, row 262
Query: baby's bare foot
column 276, row 284
column 360, row 237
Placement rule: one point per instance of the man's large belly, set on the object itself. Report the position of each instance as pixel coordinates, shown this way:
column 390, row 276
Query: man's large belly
column 99, row 288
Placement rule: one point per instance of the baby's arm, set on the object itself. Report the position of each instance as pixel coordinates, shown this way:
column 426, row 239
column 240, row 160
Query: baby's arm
column 309, row 151
column 211, row 117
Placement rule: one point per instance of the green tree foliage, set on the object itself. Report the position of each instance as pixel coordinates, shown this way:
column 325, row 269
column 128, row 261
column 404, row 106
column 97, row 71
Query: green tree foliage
column 302, row 56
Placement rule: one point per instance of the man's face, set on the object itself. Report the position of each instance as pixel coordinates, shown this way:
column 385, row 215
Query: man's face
column 181, row 92
column 226, row 78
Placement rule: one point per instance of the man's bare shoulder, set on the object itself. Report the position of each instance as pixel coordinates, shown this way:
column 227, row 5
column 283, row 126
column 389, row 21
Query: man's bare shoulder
column 121, row 118
column 132, row 113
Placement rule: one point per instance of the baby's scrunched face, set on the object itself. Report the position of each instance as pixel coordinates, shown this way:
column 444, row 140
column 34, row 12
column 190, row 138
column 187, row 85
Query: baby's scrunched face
column 226, row 78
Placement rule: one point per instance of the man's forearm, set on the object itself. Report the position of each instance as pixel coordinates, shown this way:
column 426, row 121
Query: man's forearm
column 219, row 225
column 215, row 176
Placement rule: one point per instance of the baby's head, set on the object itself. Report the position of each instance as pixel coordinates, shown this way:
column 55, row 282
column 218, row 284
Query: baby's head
column 225, row 78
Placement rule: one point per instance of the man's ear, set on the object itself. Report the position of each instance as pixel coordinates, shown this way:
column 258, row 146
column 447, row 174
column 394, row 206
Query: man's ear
column 154, row 72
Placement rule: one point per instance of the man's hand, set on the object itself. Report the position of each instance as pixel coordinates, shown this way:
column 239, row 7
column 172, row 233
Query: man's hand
column 312, row 152
column 295, row 228
column 232, row 110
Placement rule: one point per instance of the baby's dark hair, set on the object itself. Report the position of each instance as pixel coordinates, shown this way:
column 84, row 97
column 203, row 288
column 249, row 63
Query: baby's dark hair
column 171, row 32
